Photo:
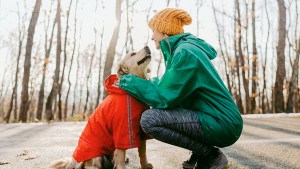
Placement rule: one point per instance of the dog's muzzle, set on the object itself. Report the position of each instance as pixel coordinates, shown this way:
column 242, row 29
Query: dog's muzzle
column 148, row 56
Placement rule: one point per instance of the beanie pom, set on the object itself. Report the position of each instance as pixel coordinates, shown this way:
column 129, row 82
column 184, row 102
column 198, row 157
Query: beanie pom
column 185, row 17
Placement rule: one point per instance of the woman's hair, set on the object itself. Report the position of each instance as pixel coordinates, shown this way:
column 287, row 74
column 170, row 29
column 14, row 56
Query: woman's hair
column 170, row 21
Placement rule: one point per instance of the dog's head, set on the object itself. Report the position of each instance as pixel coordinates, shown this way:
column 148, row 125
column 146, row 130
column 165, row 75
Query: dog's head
column 135, row 63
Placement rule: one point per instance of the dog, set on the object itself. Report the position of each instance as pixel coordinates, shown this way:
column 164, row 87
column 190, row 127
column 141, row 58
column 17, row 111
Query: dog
column 114, row 126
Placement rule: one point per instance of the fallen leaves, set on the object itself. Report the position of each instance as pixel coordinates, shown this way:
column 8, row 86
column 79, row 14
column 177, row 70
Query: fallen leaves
column 30, row 158
column 3, row 163
column 24, row 153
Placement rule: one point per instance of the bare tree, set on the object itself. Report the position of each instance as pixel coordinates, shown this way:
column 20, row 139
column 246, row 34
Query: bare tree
column 21, row 36
column 147, row 19
column 110, row 54
column 55, row 86
column 64, row 66
column 71, row 63
column 129, row 40
column 2, row 93
column 220, row 45
column 46, row 61
column 199, row 4
column 99, row 84
column 265, row 105
column 293, row 98
column 27, row 63
column 128, row 35
column 293, row 82
column 77, row 77
column 280, row 73
column 99, row 69
column 89, row 75
column 239, row 54
column 254, row 60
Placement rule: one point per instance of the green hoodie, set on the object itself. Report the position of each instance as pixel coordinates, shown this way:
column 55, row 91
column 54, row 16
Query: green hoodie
column 191, row 82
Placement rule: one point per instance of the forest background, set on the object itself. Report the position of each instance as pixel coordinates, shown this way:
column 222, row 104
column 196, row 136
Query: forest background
column 55, row 55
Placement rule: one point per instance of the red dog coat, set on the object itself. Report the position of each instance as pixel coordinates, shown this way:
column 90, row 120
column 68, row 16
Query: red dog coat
column 115, row 124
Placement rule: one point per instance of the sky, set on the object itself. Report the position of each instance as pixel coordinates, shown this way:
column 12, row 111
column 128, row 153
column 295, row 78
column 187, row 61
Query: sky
column 87, row 18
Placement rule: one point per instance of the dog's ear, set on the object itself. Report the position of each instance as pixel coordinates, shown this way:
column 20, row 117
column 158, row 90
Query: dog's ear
column 122, row 70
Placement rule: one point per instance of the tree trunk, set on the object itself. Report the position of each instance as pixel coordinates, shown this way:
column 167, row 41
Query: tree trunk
column 110, row 54
column 99, row 70
column 238, row 53
column 15, row 89
column 254, row 61
column 46, row 61
column 220, row 45
column 280, row 73
column 1, row 94
column 64, row 67
column 147, row 19
column 296, row 97
column 89, row 76
column 293, row 89
column 72, row 59
column 199, row 4
column 55, row 86
column 265, row 105
column 27, row 63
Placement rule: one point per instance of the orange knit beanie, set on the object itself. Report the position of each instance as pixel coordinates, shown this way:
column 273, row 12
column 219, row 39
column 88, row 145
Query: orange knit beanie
column 170, row 21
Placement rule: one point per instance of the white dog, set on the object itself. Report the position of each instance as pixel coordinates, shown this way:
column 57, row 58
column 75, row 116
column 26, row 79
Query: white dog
column 115, row 125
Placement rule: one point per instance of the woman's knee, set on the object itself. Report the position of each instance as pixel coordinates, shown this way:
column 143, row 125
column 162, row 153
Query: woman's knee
column 149, row 120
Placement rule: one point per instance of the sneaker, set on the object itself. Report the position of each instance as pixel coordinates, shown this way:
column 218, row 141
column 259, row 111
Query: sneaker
column 191, row 162
column 214, row 160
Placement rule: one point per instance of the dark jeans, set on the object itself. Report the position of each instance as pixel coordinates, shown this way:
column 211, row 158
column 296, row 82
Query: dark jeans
column 179, row 127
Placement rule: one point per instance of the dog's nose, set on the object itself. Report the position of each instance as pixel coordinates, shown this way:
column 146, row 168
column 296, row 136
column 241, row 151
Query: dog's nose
column 147, row 49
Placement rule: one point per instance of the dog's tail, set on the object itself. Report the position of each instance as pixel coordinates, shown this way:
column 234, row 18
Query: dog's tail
column 64, row 164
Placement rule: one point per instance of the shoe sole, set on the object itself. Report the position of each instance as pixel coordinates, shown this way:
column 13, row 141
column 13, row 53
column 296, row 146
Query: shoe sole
column 224, row 163
column 188, row 166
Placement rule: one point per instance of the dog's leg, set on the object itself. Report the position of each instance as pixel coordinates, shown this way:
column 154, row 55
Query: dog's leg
column 143, row 156
column 119, row 158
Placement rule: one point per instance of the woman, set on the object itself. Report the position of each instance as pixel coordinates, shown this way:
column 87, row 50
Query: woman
column 191, row 106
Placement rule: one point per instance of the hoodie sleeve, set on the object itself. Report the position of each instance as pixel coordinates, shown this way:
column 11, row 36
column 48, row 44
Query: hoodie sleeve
column 177, row 83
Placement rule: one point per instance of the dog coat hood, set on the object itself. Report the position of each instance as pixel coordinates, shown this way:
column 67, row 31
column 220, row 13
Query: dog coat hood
column 191, row 82
column 110, row 85
column 115, row 124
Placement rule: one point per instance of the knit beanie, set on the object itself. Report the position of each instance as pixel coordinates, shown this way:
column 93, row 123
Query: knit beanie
column 170, row 21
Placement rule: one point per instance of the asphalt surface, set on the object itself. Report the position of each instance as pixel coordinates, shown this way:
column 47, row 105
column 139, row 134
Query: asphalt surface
column 266, row 143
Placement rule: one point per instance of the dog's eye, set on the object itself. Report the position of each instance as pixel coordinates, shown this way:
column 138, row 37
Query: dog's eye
column 133, row 54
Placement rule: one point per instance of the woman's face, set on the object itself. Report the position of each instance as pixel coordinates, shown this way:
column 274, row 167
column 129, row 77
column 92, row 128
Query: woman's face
column 156, row 37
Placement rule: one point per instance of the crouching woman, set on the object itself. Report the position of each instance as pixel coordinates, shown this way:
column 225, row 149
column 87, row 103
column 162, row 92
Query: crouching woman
column 191, row 106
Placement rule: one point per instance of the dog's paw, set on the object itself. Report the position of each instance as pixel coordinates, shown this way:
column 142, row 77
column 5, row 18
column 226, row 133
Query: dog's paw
column 71, row 165
column 148, row 166
column 64, row 164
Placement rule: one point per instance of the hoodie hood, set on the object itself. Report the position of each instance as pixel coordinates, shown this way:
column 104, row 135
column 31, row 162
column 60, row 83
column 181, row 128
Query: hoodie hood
column 110, row 87
column 168, row 45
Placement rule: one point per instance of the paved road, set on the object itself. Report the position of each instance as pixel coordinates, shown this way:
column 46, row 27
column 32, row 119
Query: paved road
column 270, row 143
